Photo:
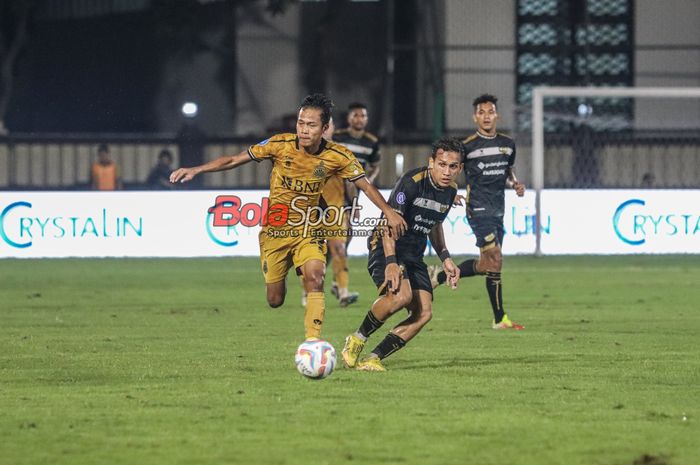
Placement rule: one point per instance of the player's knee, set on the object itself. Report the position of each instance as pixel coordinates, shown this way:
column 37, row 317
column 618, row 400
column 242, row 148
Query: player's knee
column 491, row 261
column 404, row 297
column 337, row 249
column 275, row 301
column 314, row 280
column 425, row 316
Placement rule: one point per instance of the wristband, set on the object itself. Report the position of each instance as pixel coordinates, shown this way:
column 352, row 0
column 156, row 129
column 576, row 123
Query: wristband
column 391, row 259
column 444, row 255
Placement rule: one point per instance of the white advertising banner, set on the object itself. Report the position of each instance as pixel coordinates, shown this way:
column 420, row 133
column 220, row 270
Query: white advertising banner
column 620, row 221
column 178, row 224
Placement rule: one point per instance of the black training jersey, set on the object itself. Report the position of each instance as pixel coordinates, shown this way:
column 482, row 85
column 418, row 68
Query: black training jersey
column 487, row 163
column 365, row 148
column 423, row 205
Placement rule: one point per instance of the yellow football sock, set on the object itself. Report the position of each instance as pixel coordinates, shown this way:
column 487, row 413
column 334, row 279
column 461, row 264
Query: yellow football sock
column 340, row 272
column 313, row 314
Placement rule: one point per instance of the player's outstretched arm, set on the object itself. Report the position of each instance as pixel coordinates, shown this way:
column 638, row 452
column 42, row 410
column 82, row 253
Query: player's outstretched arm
column 437, row 239
column 227, row 162
column 395, row 221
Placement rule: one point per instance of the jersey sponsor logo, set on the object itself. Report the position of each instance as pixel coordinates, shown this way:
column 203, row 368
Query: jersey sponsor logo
column 264, row 142
column 421, row 229
column 493, row 172
column 430, row 204
column 489, row 151
column 483, row 165
column 298, row 185
column 420, row 219
column 400, row 198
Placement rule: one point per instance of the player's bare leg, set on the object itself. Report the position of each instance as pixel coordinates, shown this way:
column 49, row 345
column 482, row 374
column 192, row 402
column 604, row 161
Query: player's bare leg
column 314, row 272
column 340, row 271
column 420, row 312
column 381, row 310
column 276, row 292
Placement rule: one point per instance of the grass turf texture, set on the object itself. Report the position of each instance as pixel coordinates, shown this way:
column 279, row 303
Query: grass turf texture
column 181, row 362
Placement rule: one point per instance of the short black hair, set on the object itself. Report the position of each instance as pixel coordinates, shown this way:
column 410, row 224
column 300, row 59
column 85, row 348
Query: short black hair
column 321, row 102
column 102, row 148
column 357, row 105
column 484, row 98
column 165, row 153
column 448, row 144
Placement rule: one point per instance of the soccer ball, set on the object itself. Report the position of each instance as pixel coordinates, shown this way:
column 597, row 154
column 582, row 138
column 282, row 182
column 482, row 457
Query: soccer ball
column 315, row 358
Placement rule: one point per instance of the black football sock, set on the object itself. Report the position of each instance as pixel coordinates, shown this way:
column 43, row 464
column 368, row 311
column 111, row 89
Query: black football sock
column 369, row 325
column 495, row 290
column 466, row 269
column 388, row 346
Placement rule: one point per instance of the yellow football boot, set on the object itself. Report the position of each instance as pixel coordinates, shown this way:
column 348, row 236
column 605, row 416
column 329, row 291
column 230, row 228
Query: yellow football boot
column 371, row 364
column 351, row 350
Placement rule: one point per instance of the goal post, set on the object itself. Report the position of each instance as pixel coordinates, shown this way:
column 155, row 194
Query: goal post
column 539, row 94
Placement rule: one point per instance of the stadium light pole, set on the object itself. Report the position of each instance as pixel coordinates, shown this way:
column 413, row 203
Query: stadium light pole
column 538, row 96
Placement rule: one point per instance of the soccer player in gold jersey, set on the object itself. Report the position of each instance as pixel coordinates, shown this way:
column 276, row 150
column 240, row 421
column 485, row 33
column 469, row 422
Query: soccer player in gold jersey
column 302, row 163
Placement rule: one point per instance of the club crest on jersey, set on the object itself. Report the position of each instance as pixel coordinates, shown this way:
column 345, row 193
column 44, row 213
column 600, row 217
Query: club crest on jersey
column 320, row 171
column 288, row 163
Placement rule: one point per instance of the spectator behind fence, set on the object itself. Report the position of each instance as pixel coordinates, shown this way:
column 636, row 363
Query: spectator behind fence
column 159, row 178
column 104, row 174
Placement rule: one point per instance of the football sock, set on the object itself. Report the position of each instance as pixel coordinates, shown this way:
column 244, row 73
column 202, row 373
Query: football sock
column 313, row 314
column 340, row 272
column 369, row 325
column 495, row 290
column 466, row 269
column 388, row 346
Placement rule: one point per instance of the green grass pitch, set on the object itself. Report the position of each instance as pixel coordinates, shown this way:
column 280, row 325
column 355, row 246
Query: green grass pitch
column 181, row 362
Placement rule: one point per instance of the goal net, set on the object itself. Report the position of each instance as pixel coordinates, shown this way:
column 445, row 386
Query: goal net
column 614, row 138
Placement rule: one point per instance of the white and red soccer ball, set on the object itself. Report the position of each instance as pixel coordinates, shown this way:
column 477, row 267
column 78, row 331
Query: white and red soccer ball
column 315, row 358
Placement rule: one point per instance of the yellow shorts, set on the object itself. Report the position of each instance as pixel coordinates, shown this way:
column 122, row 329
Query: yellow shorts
column 278, row 254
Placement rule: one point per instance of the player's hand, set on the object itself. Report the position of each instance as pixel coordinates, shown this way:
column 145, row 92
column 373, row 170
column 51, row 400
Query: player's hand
column 396, row 223
column 355, row 216
column 519, row 188
column 458, row 200
column 392, row 277
column 451, row 272
column 183, row 175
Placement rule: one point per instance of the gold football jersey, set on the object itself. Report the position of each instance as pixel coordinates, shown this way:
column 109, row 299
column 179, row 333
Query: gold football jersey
column 297, row 179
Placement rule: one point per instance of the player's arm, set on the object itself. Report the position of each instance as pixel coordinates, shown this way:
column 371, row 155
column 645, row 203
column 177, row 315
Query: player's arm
column 373, row 172
column 513, row 183
column 437, row 239
column 227, row 162
column 395, row 221
column 392, row 271
column 351, row 195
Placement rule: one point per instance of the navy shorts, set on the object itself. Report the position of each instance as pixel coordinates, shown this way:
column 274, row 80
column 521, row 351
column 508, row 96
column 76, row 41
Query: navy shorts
column 488, row 230
column 414, row 269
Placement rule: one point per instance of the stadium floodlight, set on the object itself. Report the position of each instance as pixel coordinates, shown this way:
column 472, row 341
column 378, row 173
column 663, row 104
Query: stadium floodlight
column 585, row 111
column 189, row 109
column 399, row 164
